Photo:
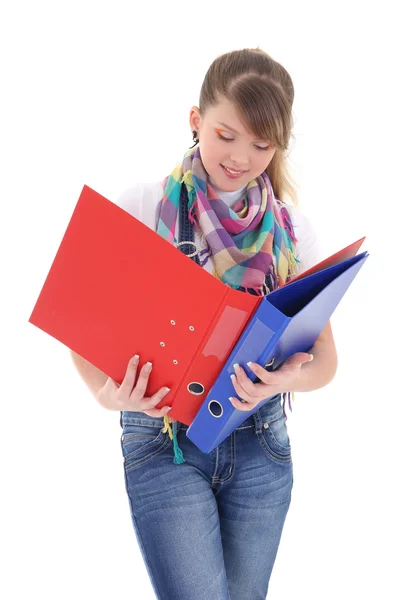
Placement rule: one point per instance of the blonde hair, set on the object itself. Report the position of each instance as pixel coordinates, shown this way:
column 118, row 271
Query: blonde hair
column 262, row 93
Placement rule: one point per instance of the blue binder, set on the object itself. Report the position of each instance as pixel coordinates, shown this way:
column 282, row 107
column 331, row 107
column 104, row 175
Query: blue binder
column 288, row 320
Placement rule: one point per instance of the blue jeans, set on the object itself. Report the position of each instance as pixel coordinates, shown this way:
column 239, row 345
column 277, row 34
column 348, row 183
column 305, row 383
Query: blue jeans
column 209, row 528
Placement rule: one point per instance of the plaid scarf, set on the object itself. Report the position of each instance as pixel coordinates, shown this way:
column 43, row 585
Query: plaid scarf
column 251, row 243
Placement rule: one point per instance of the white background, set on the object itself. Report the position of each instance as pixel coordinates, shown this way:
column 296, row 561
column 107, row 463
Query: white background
column 98, row 93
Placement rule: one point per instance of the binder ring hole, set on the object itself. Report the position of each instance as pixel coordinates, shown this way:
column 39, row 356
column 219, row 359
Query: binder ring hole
column 215, row 408
column 175, row 362
column 162, row 344
column 172, row 322
column 196, row 388
column 191, row 328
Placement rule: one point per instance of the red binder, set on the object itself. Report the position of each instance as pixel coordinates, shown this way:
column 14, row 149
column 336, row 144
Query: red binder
column 116, row 288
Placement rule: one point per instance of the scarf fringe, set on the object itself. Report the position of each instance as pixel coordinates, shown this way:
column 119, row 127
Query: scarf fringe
column 178, row 454
column 293, row 261
column 192, row 215
column 287, row 396
column 287, row 223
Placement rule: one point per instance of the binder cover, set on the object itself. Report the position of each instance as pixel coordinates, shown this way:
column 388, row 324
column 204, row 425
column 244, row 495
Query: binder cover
column 116, row 288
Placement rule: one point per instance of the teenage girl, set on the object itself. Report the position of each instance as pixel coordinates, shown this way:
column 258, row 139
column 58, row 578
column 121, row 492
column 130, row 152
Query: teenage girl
column 209, row 525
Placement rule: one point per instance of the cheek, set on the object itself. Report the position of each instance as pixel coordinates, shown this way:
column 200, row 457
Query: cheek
column 262, row 160
column 212, row 155
column 214, row 152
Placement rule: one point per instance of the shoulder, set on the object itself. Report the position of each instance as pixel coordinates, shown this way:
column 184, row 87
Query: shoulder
column 131, row 200
column 141, row 201
column 309, row 249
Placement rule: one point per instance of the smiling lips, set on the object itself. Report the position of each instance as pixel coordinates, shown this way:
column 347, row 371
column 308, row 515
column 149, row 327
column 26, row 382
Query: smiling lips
column 232, row 172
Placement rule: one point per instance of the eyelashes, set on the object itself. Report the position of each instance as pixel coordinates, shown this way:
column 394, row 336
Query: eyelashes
column 232, row 140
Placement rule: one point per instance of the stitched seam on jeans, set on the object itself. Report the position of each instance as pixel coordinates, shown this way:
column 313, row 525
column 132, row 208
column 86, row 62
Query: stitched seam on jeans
column 274, row 417
column 131, row 435
column 135, row 464
column 133, row 422
column 271, row 453
column 284, row 448
column 232, row 466
column 138, row 436
column 218, row 480
column 216, row 464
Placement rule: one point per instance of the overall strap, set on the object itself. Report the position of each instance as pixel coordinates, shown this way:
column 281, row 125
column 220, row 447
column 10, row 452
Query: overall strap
column 187, row 246
column 186, row 227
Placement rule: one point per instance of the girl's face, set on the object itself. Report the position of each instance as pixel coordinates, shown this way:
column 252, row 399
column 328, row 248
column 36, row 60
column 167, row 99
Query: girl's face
column 224, row 142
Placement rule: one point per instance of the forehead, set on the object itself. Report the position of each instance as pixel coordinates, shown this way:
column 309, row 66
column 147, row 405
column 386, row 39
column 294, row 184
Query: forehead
column 226, row 112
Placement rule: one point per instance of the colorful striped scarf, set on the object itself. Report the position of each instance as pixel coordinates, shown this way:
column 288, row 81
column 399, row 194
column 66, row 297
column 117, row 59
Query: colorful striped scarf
column 249, row 242
column 252, row 242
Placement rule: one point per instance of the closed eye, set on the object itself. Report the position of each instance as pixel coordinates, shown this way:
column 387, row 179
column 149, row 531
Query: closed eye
column 232, row 140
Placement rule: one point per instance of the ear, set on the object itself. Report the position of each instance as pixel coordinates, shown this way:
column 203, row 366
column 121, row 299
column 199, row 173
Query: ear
column 194, row 118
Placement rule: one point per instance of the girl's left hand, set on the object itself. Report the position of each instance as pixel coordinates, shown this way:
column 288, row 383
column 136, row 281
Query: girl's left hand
column 284, row 379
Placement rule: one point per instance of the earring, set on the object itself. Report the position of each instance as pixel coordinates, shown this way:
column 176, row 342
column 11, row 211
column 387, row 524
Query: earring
column 195, row 139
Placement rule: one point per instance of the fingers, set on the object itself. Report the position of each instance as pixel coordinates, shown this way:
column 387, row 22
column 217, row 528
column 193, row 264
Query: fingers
column 147, row 404
column 241, row 391
column 157, row 413
column 243, row 381
column 300, row 358
column 132, row 397
column 242, row 406
column 296, row 360
column 128, row 382
column 130, row 377
column 141, row 385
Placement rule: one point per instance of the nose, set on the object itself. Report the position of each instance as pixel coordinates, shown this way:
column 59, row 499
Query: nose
column 240, row 161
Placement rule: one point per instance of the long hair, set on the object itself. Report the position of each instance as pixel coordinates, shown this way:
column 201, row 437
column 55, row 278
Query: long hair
column 262, row 93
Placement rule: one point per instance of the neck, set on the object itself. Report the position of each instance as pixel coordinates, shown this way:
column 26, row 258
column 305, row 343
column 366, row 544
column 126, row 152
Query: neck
column 229, row 197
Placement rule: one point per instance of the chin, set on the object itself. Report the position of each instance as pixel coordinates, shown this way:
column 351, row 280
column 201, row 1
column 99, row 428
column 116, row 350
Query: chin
column 227, row 185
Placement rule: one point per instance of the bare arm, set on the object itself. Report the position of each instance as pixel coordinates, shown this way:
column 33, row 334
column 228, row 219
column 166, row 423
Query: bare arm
column 322, row 369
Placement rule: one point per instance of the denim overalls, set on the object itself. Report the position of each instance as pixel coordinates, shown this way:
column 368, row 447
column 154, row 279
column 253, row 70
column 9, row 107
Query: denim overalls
column 209, row 528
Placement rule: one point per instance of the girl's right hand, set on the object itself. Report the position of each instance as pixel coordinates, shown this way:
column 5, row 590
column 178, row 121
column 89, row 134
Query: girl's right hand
column 130, row 397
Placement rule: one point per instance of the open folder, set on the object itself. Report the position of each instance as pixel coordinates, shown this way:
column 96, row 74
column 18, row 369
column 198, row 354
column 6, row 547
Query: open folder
column 116, row 288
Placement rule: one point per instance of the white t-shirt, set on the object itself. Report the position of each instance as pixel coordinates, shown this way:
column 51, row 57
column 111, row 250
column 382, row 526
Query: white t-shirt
column 141, row 201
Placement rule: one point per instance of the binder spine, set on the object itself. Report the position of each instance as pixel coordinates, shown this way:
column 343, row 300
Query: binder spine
column 217, row 418
column 227, row 324
column 203, row 341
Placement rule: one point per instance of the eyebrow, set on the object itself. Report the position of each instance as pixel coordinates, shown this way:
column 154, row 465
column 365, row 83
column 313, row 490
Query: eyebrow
column 234, row 130
column 227, row 127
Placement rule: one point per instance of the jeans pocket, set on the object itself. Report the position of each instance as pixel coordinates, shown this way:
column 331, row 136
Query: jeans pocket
column 274, row 438
column 141, row 442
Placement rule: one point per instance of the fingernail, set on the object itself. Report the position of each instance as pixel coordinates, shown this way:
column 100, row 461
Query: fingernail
column 236, row 366
column 169, row 408
column 233, row 377
column 167, row 389
column 311, row 357
column 135, row 359
column 148, row 366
